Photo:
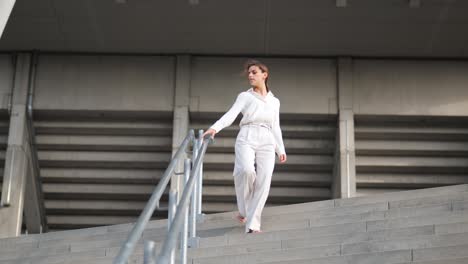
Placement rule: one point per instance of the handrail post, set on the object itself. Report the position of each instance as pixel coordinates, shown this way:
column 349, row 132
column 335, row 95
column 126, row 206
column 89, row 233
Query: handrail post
column 149, row 252
column 171, row 239
column 200, row 180
column 178, row 210
column 135, row 234
column 193, row 205
column 184, row 234
column 170, row 219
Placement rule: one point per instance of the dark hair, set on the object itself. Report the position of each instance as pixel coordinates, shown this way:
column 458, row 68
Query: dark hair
column 249, row 63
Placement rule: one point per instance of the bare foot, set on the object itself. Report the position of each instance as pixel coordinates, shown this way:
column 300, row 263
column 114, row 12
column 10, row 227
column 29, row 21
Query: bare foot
column 241, row 219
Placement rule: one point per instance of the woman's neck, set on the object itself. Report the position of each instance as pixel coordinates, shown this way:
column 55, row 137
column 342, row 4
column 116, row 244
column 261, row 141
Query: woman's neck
column 262, row 90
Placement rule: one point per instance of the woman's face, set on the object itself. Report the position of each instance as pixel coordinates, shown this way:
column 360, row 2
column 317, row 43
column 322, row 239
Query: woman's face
column 256, row 76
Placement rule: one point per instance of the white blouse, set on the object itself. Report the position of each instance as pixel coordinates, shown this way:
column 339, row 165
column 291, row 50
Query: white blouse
column 256, row 109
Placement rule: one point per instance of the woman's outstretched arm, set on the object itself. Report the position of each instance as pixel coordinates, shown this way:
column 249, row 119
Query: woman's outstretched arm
column 228, row 118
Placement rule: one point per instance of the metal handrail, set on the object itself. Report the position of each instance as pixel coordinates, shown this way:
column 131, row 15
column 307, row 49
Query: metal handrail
column 32, row 143
column 129, row 245
column 179, row 219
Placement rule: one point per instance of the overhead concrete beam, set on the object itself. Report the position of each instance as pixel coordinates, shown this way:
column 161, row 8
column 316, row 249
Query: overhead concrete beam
column 414, row 3
column 341, row 3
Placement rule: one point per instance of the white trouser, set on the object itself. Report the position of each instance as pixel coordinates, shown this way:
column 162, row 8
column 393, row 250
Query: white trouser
column 254, row 164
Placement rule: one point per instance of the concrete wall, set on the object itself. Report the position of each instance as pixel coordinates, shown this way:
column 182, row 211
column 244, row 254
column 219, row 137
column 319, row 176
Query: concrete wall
column 381, row 87
column 80, row 82
column 6, row 79
column 303, row 85
column 210, row 84
column 410, row 87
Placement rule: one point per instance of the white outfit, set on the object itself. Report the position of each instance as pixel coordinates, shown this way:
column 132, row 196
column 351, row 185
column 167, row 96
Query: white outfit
column 258, row 139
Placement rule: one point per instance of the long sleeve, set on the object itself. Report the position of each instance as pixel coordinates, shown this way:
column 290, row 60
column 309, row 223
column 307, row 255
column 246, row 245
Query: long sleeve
column 279, row 147
column 228, row 118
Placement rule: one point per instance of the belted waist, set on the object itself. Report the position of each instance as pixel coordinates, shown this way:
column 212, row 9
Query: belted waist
column 265, row 125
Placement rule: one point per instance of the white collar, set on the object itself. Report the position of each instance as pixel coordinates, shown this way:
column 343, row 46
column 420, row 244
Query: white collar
column 259, row 96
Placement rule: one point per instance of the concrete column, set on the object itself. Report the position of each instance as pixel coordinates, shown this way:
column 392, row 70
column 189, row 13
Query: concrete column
column 181, row 114
column 6, row 6
column 21, row 192
column 345, row 173
column 16, row 163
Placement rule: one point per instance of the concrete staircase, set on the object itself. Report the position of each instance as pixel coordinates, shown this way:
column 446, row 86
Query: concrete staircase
column 99, row 168
column 427, row 226
column 396, row 153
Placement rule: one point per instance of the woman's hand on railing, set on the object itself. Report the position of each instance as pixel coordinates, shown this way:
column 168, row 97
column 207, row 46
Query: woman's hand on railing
column 210, row 132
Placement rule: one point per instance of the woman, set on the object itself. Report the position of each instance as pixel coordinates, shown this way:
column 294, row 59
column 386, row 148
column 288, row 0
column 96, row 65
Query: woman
column 258, row 140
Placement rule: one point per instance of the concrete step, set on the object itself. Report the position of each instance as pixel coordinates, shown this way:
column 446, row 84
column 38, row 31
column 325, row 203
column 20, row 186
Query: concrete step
column 442, row 261
column 407, row 180
column 408, row 131
column 93, row 130
column 34, row 253
column 93, row 175
column 321, row 217
column 317, row 242
column 406, row 243
column 411, row 147
column 431, row 196
column 363, row 191
column 274, row 255
column 453, row 217
column 427, row 201
column 439, row 253
column 103, row 164
column 362, row 258
column 330, row 217
column 306, row 239
column 389, row 257
column 76, row 126
column 329, row 235
column 63, row 142
column 105, row 156
column 399, row 201
column 124, row 207
column 276, row 225
column 377, row 209
column 326, row 254
column 3, row 140
column 143, row 191
column 404, row 195
column 88, row 234
column 332, row 254
column 413, row 164
column 97, row 191
column 61, row 253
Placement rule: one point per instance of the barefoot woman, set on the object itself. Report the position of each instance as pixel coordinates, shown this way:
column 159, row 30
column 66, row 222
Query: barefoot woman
column 258, row 140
